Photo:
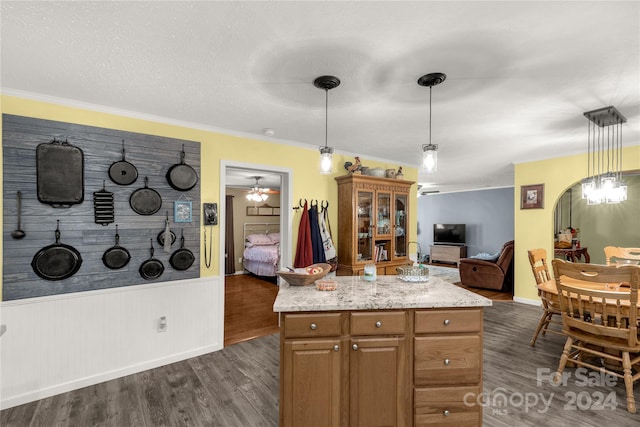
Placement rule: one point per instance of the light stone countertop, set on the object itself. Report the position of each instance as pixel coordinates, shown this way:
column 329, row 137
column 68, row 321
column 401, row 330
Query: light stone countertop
column 387, row 292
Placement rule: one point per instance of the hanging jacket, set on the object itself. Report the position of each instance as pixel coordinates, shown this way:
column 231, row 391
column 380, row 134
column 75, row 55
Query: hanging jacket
column 316, row 237
column 304, row 251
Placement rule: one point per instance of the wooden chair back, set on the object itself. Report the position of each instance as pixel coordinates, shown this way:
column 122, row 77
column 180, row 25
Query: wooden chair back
column 607, row 317
column 538, row 261
column 618, row 253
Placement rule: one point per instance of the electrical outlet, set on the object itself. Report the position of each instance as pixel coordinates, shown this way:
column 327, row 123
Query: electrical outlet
column 240, row 259
column 162, row 324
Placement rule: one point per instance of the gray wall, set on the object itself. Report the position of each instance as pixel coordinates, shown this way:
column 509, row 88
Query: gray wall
column 488, row 215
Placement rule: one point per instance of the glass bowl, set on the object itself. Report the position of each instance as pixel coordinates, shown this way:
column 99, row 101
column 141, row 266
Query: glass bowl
column 413, row 274
column 622, row 261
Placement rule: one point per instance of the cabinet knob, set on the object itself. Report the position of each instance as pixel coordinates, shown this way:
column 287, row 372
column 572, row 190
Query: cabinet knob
column 446, row 413
column 313, row 326
column 446, row 322
column 378, row 324
column 336, row 347
column 355, row 346
column 447, row 362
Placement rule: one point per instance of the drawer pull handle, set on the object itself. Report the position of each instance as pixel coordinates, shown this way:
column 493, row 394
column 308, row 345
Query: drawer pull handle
column 355, row 346
column 446, row 413
column 336, row 347
column 447, row 362
column 378, row 324
column 313, row 326
column 446, row 322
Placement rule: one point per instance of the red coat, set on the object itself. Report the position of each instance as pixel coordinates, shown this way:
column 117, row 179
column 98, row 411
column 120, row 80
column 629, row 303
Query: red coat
column 304, row 249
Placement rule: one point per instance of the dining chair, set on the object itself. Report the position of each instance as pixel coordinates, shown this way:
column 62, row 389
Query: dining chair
column 620, row 254
column 601, row 323
column 550, row 306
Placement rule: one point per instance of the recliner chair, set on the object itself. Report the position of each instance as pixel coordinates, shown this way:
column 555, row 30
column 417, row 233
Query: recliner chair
column 496, row 275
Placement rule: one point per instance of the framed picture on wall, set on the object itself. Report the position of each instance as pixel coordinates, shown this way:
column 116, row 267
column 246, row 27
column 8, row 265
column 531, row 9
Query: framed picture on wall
column 182, row 211
column 532, row 196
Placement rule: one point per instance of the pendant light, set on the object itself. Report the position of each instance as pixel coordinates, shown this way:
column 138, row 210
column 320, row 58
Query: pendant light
column 430, row 151
column 604, row 182
column 326, row 152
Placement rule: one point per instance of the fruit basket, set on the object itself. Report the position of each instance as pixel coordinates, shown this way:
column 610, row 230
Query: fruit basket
column 303, row 279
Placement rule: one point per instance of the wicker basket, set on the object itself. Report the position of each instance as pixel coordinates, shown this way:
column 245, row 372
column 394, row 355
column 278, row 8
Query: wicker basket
column 297, row 279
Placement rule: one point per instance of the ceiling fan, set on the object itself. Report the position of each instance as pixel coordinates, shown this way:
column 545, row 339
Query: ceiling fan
column 258, row 193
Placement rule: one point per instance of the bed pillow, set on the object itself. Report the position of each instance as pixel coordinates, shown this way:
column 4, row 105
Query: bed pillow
column 275, row 237
column 258, row 240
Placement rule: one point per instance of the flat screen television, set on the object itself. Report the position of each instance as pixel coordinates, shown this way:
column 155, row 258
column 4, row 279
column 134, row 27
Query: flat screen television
column 449, row 234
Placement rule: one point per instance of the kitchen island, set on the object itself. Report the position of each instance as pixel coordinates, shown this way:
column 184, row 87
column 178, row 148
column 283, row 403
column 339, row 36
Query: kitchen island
column 386, row 352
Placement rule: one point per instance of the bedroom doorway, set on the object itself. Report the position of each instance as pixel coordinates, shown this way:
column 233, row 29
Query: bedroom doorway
column 248, row 293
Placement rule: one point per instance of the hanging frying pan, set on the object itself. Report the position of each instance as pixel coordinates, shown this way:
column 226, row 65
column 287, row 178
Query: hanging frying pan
column 56, row 261
column 183, row 258
column 181, row 176
column 116, row 256
column 123, row 172
column 151, row 268
column 145, row 201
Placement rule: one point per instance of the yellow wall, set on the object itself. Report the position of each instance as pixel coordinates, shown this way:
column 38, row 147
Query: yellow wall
column 303, row 162
column 534, row 227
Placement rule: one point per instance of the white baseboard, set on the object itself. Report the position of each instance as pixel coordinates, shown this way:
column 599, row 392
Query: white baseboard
column 527, row 301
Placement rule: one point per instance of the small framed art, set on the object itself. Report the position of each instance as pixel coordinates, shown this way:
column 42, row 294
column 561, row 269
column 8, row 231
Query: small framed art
column 182, row 211
column 532, row 196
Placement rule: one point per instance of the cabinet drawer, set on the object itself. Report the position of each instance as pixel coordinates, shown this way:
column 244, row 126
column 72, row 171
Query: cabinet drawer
column 312, row 325
column 455, row 406
column 378, row 323
column 448, row 321
column 447, row 360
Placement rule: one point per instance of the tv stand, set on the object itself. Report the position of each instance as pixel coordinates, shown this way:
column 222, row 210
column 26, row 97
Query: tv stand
column 448, row 253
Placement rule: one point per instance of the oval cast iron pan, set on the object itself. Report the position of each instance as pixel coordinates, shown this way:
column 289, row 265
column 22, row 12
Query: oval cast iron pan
column 56, row 261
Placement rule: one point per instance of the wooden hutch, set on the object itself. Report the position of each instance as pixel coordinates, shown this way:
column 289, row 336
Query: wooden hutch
column 373, row 223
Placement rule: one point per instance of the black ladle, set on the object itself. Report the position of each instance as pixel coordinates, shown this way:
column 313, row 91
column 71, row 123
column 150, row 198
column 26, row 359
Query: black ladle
column 18, row 233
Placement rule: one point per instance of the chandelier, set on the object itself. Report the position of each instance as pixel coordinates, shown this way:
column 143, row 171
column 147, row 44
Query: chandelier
column 257, row 193
column 326, row 152
column 430, row 151
column 604, row 182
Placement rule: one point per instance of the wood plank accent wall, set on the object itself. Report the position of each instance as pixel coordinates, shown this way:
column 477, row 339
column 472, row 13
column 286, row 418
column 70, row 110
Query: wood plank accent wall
column 151, row 155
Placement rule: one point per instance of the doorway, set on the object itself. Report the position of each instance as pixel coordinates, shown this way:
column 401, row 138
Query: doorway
column 246, row 295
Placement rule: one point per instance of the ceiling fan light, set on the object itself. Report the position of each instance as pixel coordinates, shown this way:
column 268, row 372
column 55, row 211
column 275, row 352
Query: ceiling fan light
column 326, row 160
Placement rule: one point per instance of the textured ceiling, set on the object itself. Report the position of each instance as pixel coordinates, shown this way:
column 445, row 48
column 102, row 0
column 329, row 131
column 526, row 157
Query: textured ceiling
column 520, row 74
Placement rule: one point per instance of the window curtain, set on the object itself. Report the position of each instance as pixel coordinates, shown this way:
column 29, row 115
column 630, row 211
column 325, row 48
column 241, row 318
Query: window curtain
column 229, row 245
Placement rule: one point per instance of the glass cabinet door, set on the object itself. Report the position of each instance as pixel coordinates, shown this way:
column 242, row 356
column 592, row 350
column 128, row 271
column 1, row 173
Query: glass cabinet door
column 365, row 226
column 383, row 223
column 400, row 225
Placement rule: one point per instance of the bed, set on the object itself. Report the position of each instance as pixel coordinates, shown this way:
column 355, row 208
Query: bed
column 261, row 254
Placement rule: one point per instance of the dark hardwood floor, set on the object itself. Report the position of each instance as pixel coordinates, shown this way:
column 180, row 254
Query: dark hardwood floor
column 248, row 308
column 238, row 386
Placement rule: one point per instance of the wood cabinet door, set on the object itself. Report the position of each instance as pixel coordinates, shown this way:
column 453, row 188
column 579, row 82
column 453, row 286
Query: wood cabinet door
column 310, row 383
column 377, row 381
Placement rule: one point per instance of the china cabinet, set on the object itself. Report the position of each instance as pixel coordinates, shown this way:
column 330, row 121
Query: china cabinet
column 373, row 221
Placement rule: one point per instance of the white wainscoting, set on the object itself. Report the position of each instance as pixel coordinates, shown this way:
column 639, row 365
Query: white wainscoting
column 60, row 343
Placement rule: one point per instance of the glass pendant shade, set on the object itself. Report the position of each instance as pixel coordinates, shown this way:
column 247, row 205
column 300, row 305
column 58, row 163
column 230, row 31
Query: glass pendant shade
column 604, row 157
column 430, row 158
column 326, row 160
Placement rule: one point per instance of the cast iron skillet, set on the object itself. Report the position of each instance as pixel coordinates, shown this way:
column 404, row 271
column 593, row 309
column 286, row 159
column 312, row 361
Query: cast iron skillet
column 183, row 258
column 123, row 172
column 145, row 201
column 116, row 256
column 56, row 261
column 181, row 176
column 151, row 268
column 160, row 236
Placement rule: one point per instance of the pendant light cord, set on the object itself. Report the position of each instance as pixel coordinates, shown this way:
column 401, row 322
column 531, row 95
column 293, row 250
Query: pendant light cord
column 430, row 87
column 326, row 117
